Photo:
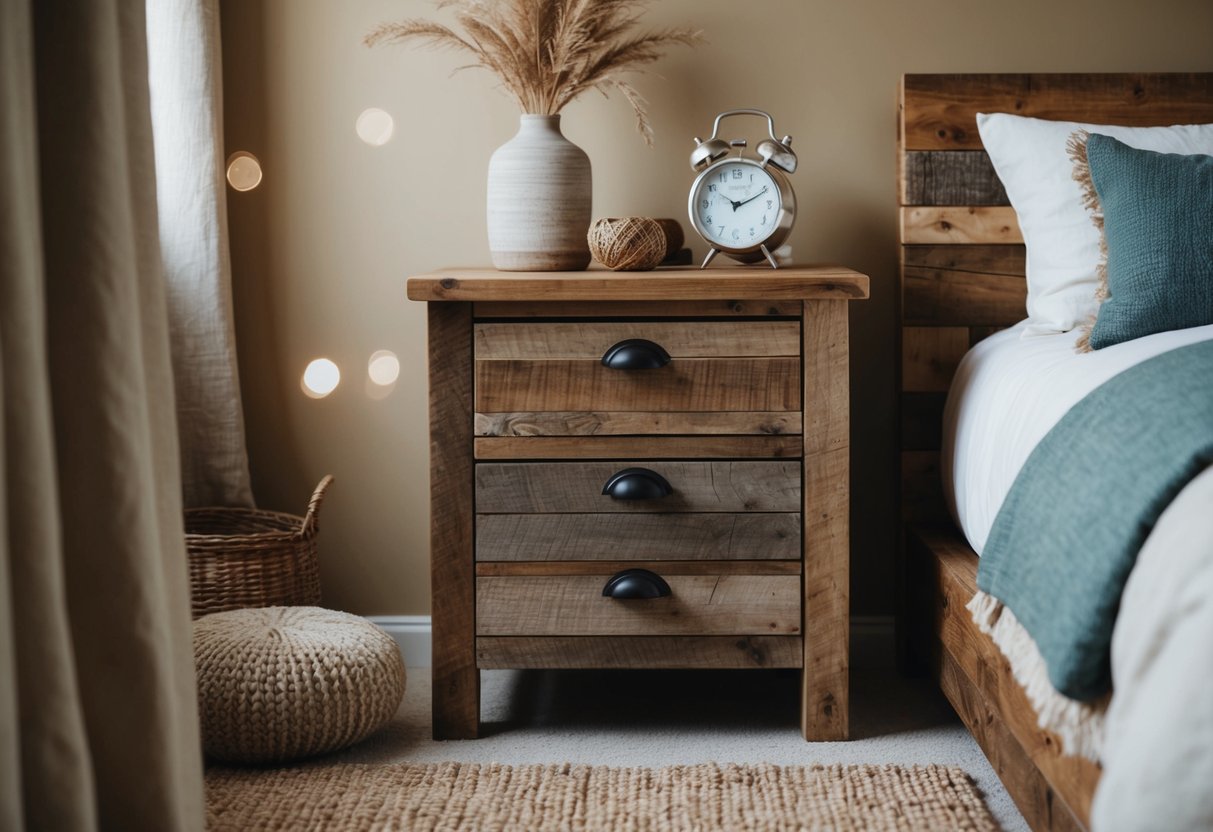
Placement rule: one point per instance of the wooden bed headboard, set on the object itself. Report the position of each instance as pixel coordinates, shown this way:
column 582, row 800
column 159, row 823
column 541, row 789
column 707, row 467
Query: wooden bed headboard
column 961, row 274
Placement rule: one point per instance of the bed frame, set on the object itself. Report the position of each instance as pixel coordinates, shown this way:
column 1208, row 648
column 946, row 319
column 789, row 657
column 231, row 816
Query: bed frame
column 962, row 279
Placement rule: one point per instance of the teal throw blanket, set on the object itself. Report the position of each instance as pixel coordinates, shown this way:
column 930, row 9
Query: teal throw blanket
column 1066, row 537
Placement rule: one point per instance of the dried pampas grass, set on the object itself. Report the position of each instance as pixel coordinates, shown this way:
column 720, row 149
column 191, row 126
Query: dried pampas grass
column 547, row 52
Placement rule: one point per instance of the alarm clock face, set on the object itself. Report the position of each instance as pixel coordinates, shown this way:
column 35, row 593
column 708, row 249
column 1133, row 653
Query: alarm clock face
column 737, row 205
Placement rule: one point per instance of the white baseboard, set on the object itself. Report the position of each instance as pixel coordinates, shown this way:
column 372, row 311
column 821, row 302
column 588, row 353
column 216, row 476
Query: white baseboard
column 871, row 639
column 412, row 635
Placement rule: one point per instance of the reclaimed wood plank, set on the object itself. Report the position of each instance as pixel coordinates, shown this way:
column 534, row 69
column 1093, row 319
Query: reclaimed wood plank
column 1034, row 797
column 684, row 384
column 632, row 447
column 939, row 111
column 606, row 568
column 825, row 687
column 984, row 668
column 660, row 652
column 692, row 536
column 591, row 339
column 727, row 308
column 953, row 298
column 929, row 356
column 456, row 680
column 697, row 605
column 627, row 423
column 679, row 283
column 994, row 259
column 576, row 487
column 967, row 177
column 959, row 225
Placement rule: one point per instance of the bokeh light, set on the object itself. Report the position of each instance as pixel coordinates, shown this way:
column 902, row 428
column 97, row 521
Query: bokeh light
column 383, row 367
column 320, row 378
column 375, row 126
column 243, row 171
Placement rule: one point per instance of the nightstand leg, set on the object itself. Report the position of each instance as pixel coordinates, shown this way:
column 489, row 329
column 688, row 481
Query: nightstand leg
column 456, row 681
column 827, row 557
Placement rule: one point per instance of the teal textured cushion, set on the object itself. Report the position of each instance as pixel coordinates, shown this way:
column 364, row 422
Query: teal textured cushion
column 1158, row 227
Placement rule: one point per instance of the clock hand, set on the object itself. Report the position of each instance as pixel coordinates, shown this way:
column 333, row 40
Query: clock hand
column 737, row 205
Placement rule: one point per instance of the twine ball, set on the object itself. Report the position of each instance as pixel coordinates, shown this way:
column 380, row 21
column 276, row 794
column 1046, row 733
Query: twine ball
column 673, row 236
column 281, row 683
column 632, row 244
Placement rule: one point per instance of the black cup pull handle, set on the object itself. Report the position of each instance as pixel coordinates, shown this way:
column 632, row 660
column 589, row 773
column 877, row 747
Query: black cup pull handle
column 637, row 484
column 634, row 584
column 635, row 354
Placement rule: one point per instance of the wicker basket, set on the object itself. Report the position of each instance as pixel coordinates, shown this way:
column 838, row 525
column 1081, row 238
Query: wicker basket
column 243, row 557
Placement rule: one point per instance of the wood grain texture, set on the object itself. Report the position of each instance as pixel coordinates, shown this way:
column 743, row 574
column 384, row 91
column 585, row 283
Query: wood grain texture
column 627, row 423
column 684, row 384
column 579, row 537
column 625, row 447
column 825, row 708
column 1035, row 799
column 939, row 111
column 929, row 356
column 730, row 308
column 950, row 568
column 606, row 568
column 931, row 177
column 576, row 487
column 678, row 283
column 697, row 605
column 456, row 681
column 661, row 652
column 965, row 224
column 947, row 298
column 991, row 260
column 591, row 339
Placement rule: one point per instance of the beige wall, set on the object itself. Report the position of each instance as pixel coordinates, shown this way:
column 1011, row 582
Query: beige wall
column 321, row 249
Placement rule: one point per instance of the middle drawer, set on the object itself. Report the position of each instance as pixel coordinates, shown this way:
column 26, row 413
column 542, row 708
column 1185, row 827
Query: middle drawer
column 648, row 486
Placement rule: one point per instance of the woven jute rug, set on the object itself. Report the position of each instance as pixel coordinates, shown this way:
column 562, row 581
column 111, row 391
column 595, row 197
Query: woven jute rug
column 577, row 798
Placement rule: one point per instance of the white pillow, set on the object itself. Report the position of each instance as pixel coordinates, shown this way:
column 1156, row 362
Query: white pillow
column 1030, row 157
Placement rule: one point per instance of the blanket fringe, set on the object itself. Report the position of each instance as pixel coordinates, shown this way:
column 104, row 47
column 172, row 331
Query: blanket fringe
column 1079, row 725
column 1076, row 149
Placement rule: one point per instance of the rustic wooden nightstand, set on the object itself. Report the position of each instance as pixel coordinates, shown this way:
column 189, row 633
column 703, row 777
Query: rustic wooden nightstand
column 640, row 470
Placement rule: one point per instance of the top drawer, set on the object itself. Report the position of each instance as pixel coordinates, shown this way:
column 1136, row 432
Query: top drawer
column 694, row 366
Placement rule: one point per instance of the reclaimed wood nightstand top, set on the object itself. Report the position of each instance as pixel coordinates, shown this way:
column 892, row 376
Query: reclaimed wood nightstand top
column 822, row 282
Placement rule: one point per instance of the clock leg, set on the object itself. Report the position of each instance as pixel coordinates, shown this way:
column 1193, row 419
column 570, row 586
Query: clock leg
column 711, row 253
column 769, row 256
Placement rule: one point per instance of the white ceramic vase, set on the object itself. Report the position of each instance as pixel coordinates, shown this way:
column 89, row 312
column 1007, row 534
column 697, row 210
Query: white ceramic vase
column 539, row 200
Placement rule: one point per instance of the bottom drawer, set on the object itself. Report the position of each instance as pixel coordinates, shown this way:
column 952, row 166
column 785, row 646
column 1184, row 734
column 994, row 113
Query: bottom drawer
column 573, row 605
column 657, row 652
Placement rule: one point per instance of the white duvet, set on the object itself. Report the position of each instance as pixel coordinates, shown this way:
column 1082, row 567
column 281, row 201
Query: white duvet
column 1157, row 748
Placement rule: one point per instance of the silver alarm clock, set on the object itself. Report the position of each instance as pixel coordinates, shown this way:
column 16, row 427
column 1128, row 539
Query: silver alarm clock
column 743, row 206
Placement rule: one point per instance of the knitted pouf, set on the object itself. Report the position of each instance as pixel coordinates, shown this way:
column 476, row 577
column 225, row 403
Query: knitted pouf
column 280, row 683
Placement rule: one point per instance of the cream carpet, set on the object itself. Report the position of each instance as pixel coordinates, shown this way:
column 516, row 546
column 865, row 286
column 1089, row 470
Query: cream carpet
column 555, row 798
column 664, row 718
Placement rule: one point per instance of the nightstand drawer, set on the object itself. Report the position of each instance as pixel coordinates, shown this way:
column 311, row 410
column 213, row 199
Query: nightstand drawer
column 578, row 487
column 573, row 605
column 660, row 367
column 680, row 339
column 603, row 537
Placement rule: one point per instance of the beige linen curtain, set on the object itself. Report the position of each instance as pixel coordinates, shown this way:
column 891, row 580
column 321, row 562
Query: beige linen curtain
column 98, row 719
column 186, row 96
